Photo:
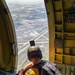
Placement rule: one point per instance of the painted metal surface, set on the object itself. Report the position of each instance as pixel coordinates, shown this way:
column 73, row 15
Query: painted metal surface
column 61, row 20
column 8, row 46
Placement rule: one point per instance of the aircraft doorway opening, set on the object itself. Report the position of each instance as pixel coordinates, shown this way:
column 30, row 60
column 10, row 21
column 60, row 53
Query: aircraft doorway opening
column 30, row 22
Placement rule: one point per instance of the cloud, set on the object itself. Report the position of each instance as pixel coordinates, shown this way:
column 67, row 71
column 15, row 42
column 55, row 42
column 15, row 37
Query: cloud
column 25, row 1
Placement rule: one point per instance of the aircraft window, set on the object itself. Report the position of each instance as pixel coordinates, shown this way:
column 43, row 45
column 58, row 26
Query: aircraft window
column 30, row 21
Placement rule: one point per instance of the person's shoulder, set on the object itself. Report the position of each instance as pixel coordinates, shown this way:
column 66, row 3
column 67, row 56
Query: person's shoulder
column 46, row 61
column 49, row 64
column 51, row 67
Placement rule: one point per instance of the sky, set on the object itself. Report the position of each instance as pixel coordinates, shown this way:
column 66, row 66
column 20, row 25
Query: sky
column 25, row 1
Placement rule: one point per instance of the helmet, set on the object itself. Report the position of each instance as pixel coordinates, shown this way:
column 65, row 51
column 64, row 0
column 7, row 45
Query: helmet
column 34, row 51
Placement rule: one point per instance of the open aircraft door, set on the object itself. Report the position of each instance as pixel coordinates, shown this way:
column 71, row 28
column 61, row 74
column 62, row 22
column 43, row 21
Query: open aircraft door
column 8, row 44
column 61, row 21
